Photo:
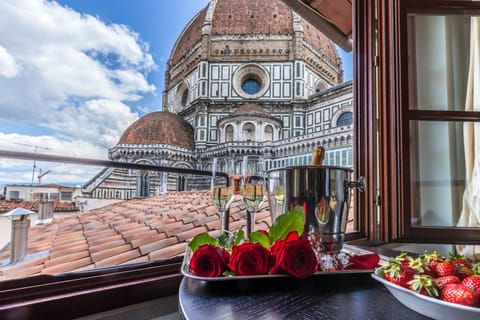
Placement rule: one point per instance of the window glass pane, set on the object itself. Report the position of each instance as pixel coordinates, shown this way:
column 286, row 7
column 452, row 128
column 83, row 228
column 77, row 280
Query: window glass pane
column 229, row 133
column 443, row 190
column 439, row 53
column 79, row 122
column 345, row 119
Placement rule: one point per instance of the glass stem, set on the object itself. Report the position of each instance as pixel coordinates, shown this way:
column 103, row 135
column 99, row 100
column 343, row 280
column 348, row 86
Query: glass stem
column 251, row 221
column 224, row 220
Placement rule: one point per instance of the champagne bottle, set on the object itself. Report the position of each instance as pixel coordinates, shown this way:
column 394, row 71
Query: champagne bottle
column 317, row 156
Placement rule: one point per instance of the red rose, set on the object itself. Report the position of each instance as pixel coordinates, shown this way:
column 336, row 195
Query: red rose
column 294, row 256
column 249, row 259
column 209, row 261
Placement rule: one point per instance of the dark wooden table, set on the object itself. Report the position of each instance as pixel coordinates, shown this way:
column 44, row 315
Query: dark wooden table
column 336, row 296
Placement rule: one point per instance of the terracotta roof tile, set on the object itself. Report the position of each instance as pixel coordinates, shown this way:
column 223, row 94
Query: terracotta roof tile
column 212, row 224
column 168, row 252
column 202, row 220
column 95, row 235
column 139, row 231
column 68, row 250
column 174, row 228
column 148, row 238
column 67, row 266
column 190, row 233
column 18, row 267
column 147, row 248
column 102, row 240
column 137, row 260
column 119, row 258
column 58, row 206
column 66, row 258
column 24, row 272
column 110, row 243
column 133, row 225
column 97, row 256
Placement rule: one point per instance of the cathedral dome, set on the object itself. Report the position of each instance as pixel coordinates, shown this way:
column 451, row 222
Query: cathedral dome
column 159, row 128
column 246, row 30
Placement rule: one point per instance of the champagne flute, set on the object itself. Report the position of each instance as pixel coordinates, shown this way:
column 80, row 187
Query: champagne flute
column 253, row 189
column 276, row 194
column 222, row 191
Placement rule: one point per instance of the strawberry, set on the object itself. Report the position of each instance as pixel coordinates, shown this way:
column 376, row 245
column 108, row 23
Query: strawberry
column 419, row 266
column 423, row 284
column 459, row 294
column 404, row 261
column 445, row 269
column 432, row 259
column 443, row 281
column 464, row 272
column 459, row 260
column 473, row 282
column 395, row 274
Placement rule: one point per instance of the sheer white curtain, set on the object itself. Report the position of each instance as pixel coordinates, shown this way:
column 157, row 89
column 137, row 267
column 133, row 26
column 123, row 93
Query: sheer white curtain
column 470, row 216
column 441, row 52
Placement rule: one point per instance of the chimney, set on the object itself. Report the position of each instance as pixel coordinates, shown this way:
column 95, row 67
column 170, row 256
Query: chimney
column 45, row 211
column 19, row 239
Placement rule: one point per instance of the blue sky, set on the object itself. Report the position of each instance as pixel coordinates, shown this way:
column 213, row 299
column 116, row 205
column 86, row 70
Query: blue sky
column 74, row 74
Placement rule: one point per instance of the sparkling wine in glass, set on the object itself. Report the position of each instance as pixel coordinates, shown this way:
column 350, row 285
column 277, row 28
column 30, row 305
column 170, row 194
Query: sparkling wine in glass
column 222, row 191
column 253, row 189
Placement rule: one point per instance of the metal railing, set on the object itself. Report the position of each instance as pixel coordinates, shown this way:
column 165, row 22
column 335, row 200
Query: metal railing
column 102, row 163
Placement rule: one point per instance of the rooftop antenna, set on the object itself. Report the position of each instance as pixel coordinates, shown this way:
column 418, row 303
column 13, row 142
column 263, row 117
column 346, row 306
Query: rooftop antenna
column 41, row 175
column 34, row 161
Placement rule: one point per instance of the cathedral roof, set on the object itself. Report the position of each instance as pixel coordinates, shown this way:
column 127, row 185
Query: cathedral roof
column 225, row 19
column 159, row 128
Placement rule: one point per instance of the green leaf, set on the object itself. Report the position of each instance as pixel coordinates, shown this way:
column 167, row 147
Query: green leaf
column 284, row 224
column 201, row 239
column 223, row 240
column 228, row 273
column 239, row 237
column 260, row 237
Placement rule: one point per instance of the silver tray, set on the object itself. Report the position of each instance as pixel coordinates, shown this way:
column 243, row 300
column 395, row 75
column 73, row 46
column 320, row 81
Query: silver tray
column 428, row 306
column 351, row 250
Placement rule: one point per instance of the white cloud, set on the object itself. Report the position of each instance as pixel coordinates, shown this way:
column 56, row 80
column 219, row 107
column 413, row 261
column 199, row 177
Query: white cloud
column 8, row 66
column 65, row 54
column 102, row 121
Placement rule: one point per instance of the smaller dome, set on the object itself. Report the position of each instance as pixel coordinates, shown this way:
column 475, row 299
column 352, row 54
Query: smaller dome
column 249, row 109
column 160, row 127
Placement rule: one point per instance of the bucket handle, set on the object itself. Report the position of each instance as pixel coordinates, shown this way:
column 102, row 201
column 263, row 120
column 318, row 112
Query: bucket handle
column 360, row 184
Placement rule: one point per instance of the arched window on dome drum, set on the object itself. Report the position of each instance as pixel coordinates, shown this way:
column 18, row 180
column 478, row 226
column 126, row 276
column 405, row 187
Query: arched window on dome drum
column 143, row 184
column 248, row 132
column 345, row 119
column 184, row 100
column 229, row 133
column 268, row 133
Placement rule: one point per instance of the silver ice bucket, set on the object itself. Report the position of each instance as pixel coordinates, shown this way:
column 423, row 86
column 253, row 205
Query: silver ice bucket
column 323, row 192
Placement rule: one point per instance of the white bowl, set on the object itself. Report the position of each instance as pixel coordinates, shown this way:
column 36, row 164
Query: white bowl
column 428, row 306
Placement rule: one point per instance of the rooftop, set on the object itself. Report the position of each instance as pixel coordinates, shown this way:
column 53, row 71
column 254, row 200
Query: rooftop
column 58, row 206
column 136, row 230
